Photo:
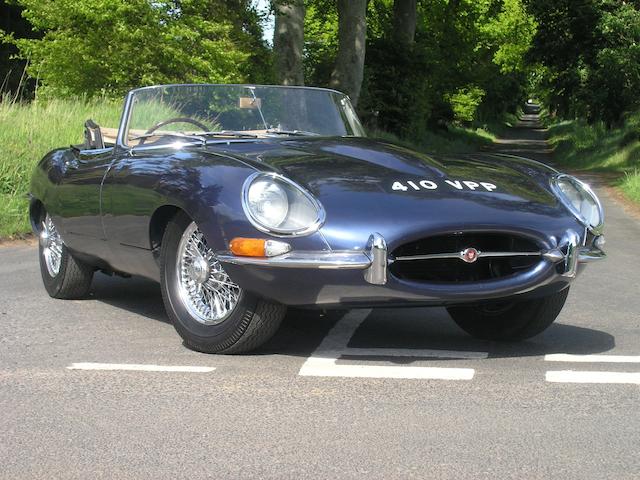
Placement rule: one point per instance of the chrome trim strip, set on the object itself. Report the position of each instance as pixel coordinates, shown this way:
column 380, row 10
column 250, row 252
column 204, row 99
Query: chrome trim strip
column 333, row 260
column 554, row 256
column 460, row 255
column 571, row 257
column 588, row 255
column 376, row 274
column 247, row 85
column 124, row 122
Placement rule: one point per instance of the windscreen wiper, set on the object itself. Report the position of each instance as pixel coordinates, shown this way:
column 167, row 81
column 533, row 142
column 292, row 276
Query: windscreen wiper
column 199, row 138
column 279, row 131
column 229, row 133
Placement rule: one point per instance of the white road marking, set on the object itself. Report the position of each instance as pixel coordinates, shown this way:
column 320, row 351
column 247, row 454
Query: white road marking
column 565, row 357
column 139, row 367
column 572, row 376
column 323, row 361
column 411, row 352
column 327, row 367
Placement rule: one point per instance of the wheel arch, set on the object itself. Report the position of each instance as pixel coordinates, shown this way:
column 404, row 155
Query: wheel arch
column 36, row 214
column 165, row 213
column 158, row 224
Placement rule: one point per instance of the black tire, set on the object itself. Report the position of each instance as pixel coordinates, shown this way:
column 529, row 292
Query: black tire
column 511, row 321
column 73, row 279
column 250, row 324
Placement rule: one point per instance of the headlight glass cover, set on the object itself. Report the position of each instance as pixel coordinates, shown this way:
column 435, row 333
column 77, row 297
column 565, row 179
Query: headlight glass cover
column 276, row 205
column 581, row 200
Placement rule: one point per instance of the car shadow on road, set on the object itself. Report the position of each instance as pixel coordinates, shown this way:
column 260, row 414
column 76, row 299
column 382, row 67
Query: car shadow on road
column 408, row 328
column 135, row 295
column 427, row 329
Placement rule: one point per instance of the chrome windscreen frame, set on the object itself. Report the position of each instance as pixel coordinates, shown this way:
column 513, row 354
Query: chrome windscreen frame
column 585, row 189
column 124, row 121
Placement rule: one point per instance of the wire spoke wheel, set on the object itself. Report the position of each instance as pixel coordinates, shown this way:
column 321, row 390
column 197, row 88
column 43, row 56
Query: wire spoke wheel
column 204, row 287
column 51, row 246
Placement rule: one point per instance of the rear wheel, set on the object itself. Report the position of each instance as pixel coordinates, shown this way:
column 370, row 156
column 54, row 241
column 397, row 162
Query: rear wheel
column 63, row 275
column 509, row 321
column 211, row 313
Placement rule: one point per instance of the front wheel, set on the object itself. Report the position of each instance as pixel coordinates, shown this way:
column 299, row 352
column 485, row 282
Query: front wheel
column 211, row 313
column 509, row 321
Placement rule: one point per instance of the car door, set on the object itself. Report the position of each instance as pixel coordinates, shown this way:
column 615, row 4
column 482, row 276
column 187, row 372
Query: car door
column 80, row 202
column 129, row 198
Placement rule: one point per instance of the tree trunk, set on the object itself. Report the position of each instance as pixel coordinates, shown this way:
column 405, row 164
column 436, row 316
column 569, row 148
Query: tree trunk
column 404, row 21
column 352, row 36
column 288, row 41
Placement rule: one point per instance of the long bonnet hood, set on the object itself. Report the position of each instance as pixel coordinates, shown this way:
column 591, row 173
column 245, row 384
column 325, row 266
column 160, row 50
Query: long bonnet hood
column 385, row 187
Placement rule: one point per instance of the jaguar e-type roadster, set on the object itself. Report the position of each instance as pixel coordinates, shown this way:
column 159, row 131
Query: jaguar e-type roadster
column 244, row 200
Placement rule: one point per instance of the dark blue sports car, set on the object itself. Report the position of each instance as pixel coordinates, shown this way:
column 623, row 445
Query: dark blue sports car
column 245, row 200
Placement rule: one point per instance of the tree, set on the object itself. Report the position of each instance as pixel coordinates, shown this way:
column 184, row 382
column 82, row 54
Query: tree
column 565, row 46
column 404, row 21
column 288, row 41
column 352, row 35
column 92, row 47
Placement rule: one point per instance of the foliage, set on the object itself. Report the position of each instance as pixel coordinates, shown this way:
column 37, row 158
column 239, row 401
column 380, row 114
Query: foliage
column 588, row 58
column 631, row 185
column 454, row 140
column 466, row 65
column 579, row 144
column 465, row 103
column 105, row 47
column 321, row 41
column 584, row 146
column 509, row 35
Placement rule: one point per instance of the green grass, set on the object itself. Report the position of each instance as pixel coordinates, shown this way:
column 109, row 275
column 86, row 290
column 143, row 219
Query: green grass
column 27, row 132
column 630, row 185
column 594, row 147
column 454, row 140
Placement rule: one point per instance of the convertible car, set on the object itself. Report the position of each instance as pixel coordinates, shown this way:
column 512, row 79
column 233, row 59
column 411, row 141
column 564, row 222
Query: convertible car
column 244, row 200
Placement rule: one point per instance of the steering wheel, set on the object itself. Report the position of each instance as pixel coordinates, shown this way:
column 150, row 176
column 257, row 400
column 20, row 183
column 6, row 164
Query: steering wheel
column 175, row 120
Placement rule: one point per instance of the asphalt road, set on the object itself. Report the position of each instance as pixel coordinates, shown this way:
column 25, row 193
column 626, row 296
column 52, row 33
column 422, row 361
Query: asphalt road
column 330, row 396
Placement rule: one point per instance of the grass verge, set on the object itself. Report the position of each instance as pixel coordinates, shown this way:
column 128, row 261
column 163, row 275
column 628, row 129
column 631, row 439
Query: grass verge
column 27, row 132
column 453, row 140
column 594, row 147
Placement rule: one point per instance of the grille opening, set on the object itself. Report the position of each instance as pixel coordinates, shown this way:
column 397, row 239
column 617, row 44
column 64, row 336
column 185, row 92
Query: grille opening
column 454, row 270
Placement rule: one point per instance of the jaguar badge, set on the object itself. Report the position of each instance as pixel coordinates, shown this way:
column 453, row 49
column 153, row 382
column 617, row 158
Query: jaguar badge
column 470, row 255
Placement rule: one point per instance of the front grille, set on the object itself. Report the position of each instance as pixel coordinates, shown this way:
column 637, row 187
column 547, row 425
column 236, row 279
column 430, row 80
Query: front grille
column 455, row 270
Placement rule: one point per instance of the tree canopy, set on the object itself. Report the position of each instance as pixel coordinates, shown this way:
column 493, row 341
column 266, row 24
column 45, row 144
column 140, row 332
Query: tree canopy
column 108, row 46
column 409, row 64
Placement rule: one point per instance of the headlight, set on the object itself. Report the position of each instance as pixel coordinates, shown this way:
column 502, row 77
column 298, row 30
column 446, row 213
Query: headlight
column 580, row 199
column 277, row 205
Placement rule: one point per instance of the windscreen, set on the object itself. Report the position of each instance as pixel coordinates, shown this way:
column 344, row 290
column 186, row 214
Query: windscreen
column 251, row 110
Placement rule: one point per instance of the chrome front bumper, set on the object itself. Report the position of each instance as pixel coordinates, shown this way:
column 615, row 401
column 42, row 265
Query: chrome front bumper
column 375, row 260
